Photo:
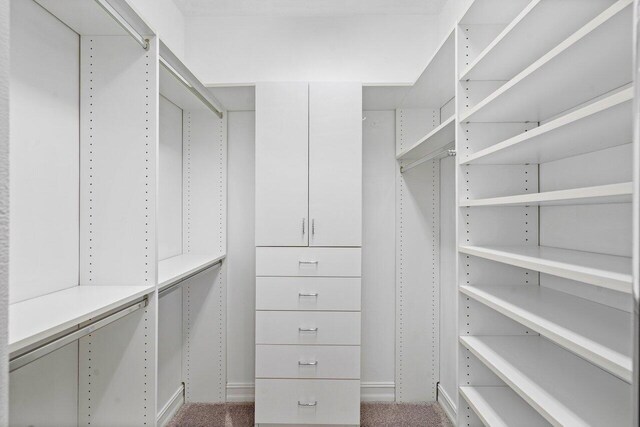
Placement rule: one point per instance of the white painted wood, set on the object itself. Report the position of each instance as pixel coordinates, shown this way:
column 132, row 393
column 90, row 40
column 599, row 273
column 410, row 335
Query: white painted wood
column 500, row 407
column 282, row 164
column 595, row 332
column 335, row 262
column 447, row 405
column 326, row 328
column 607, row 271
column 431, row 142
column 598, row 53
column 4, row 208
column 308, row 293
column 563, row 388
column 169, row 180
column 492, row 11
column 308, row 361
column 601, row 124
column 44, row 123
column 40, row 318
column 611, row 193
column 335, row 165
column 167, row 412
column 169, row 349
column 336, row 401
column 174, row 269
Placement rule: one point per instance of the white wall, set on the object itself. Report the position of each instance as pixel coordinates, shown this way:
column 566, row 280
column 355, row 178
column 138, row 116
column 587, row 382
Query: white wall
column 368, row 48
column 164, row 17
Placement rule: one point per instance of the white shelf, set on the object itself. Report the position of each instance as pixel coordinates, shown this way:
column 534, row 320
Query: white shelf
column 492, row 12
column 607, row 271
column 499, row 406
column 37, row 319
column 431, row 142
column 592, row 61
column 563, row 388
column 177, row 268
column 612, row 193
column 602, row 124
column 595, row 332
column 540, row 26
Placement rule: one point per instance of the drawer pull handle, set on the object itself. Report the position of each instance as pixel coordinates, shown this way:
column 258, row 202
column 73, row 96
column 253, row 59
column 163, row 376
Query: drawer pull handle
column 310, row 294
column 308, row 329
column 308, row 262
column 308, row 404
column 314, row 363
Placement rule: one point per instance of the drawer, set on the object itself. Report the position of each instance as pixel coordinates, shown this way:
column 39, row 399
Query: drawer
column 308, row 361
column 307, row 327
column 329, row 401
column 308, row 293
column 305, row 261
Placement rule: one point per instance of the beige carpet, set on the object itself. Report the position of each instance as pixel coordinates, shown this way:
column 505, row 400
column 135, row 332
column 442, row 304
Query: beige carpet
column 372, row 414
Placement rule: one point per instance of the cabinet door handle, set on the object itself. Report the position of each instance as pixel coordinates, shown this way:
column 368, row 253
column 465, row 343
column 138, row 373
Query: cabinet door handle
column 307, row 262
column 308, row 294
column 307, row 329
column 314, row 363
column 308, row 404
column 313, row 227
column 303, row 226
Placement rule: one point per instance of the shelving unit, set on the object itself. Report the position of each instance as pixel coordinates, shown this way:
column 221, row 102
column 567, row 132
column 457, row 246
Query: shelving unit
column 180, row 267
column 436, row 139
column 499, row 406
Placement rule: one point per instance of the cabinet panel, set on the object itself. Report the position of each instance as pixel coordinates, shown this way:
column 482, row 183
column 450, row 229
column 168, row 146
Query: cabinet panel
column 308, row 361
column 282, row 159
column 299, row 262
column 308, row 327
column 308, row 293
column 335, row 166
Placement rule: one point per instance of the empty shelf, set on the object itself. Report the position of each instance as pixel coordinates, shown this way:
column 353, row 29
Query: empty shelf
column 607, row 271
column 433, row 141
column 178, row 268
column 602, row 124
column 612, row 193
column 39, row 319
column 563, row 388
column 595, row 332
column 592, row 61
column 499, row 406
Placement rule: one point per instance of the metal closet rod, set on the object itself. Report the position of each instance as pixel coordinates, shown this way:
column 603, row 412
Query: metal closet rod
column 179, row 282
column 443, row 152
column 84, row 329
column 143, row 41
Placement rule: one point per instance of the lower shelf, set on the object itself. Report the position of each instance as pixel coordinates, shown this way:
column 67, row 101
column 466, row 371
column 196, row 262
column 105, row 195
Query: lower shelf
column 499, row 406
column 565, row 389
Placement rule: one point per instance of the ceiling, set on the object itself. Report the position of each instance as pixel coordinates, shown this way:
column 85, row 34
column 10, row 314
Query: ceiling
column 309, row 7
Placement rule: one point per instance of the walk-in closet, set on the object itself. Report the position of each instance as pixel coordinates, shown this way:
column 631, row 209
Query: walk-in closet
column 299, row 212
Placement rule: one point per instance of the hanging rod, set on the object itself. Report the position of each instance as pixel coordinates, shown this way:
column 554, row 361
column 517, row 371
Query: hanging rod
column 143, row 41
column 443, row 152
column 84, row 330
column 179, row 282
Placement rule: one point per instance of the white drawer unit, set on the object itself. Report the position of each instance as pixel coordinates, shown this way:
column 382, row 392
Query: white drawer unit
column 308, row 293
column 301, row 261
column 307, row 327
column 284, row 401
column 308, row 361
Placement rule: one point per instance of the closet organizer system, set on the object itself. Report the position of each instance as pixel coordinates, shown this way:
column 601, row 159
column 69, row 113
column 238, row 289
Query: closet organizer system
column 118, row 201
column 534, row 100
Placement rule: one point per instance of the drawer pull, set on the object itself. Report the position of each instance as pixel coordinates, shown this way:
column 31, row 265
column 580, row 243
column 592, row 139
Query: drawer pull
column 314, row 363
column 308, row 404
column 310, row 294
column 308, row 262
column 308, row 329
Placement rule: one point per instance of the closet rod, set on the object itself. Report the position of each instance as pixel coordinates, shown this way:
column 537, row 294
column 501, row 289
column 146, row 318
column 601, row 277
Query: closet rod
column 177, row 283
column 445, row 151
column 84, row 329
column 143, row 41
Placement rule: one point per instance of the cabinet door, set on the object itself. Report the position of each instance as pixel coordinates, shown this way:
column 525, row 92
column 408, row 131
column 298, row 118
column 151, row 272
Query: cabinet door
column 335, row 164
column 282, row 164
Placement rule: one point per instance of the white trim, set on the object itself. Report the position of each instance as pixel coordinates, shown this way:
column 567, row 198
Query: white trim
column 369, row 392
column 171, row 407
column 447, row 405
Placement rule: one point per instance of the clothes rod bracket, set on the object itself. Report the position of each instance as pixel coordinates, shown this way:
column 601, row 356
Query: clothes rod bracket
column 438, row 154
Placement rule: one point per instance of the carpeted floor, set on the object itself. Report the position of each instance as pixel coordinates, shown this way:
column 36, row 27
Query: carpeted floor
column 372, row 414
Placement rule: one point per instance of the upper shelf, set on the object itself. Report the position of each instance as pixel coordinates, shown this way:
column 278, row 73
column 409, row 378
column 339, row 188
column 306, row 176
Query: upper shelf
column 595, row 332
column 181, row 267
column 563, row 388
column 38, row 319
column 499, row 406
column 540, row 26
column 602, row 124
column 607, row 271
column 431, row 142
column 492, row 12
column 592, row 61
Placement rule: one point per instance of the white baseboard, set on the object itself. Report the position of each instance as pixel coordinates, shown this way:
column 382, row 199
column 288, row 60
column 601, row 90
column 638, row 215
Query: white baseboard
column 369, row 392
column 447, row 404
column 171, row 407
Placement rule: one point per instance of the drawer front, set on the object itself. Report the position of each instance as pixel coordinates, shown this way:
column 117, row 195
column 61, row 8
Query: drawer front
column 308, row 293
column 336, row 262
column 328, row 401
column 307, row 327
column 308, row 361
